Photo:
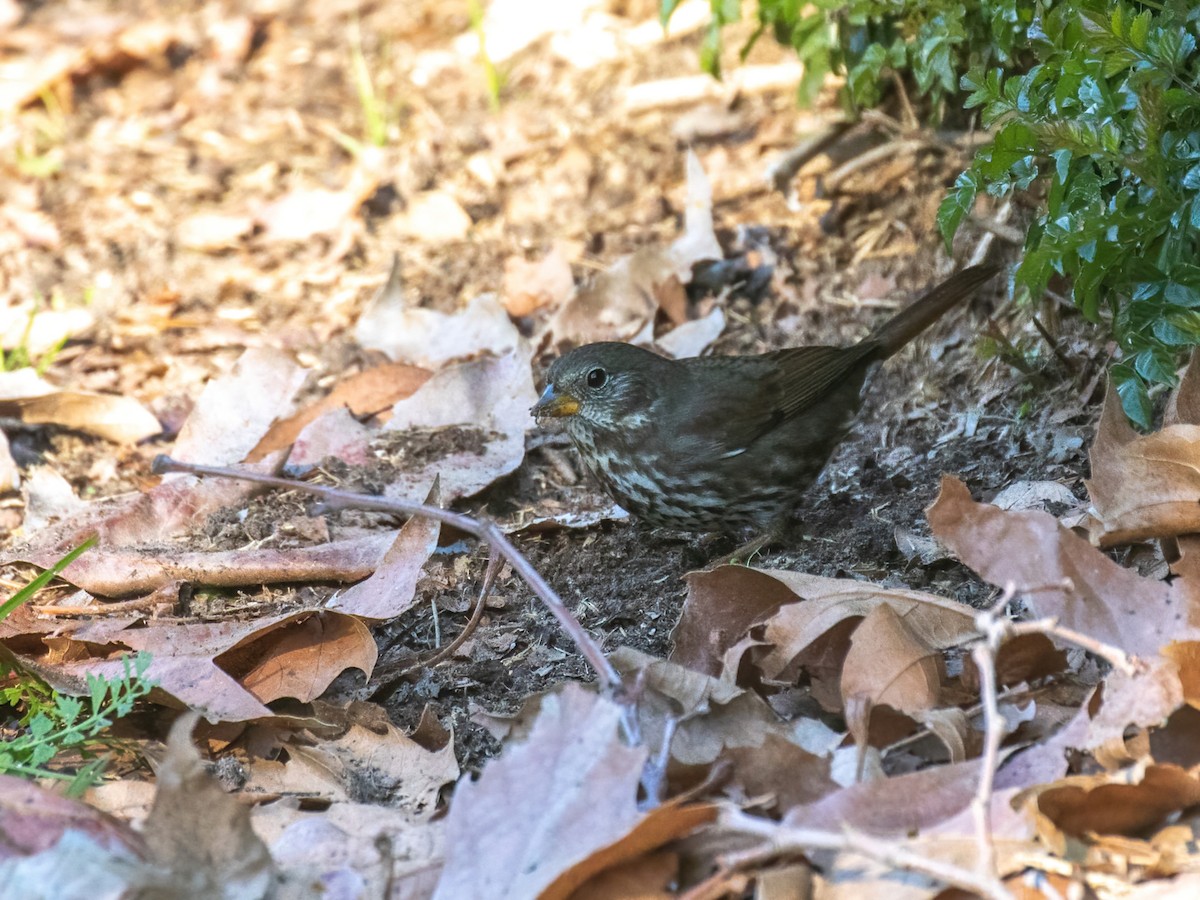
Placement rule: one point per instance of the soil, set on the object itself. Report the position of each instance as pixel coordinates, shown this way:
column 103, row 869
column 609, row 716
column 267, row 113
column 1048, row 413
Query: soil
column 983, row 396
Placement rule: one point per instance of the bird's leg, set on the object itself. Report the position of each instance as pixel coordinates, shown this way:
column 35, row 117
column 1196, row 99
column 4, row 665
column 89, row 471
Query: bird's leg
column 743, row 554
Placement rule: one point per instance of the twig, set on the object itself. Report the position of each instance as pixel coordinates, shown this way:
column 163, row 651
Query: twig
column 484, row 530
column 489, row 578
column 993, row 625
column 781, row 171
column 875, row 155
column 783, row 839
column 1067, row 362
column 985, row 242
column 1115, row 656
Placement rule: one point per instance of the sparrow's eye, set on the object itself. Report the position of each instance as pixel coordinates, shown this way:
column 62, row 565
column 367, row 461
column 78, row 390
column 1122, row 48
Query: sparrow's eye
column 597, row 378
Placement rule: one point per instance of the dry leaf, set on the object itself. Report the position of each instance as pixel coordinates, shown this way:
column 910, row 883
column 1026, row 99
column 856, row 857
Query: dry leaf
column 557, row 809
column 1031, row 550
column 392, row 589
column 199, row 834
column 434, row 217
column 428, row 338
column 27, row 397
column 488, row 401
column 530, row 286
column 1146, row 486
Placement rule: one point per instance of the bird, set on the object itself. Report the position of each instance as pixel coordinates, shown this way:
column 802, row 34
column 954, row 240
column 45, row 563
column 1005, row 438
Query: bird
column 724, row 443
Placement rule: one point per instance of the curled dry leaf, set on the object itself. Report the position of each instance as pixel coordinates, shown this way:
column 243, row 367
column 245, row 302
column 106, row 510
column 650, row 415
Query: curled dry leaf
column 34, row 401
column 1146, row 486
column 721, row 606
column 487, row 403
column 828, row 602
column 888, row 664
column 712, row 716
column 1110, row 804
column 362, row 394
column 900, row 805
column 428, row 338
column 621, row 300
column 392, row 588
column 199, row 834
column 530, row 286
column 557, row 809
column 125, row 572
column 1034, row 552
column 227, row 670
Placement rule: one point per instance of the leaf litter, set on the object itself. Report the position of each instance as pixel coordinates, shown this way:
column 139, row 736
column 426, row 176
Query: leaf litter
column 821, row 720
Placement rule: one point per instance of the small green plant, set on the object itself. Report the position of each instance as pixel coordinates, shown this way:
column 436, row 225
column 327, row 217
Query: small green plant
column 493, row 78
column 20, row 356
column 39, row 151
column 374, row 111
column 49, row 723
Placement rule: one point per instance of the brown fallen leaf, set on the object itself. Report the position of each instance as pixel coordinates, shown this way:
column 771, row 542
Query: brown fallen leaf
column 227, row 670
column 721, row 606
column 125, row 572
column 32, row 400
column 199, row 835
column 556, row 809
column 938, row 622
column 434, row 217
column 899, row 805
column 888, row 664
column 1147, row 486
column 34, row 820
column 1110, row 804
column 428, row 338
column 487, row 402
column 363, row 394
column 1033, row 551
column 530, row 286
column 392, row 588
column 622, row 299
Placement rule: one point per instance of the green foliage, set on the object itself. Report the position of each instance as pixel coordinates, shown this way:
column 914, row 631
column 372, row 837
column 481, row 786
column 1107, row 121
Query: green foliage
column 20, row 357
column 1095, row 106
column 493, row 78
column 49, row 723
column 868, row 40
column 1108, row 120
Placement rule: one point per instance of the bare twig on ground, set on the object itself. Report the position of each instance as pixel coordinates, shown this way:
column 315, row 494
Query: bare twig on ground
column 489, row 578
column 782, row 170
column 781, row 840
column 610, row 680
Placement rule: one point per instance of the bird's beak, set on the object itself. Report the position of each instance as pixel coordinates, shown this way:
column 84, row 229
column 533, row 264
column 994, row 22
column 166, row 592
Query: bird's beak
column 555, row 405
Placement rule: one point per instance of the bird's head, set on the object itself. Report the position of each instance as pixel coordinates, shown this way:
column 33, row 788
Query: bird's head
column 607, row 385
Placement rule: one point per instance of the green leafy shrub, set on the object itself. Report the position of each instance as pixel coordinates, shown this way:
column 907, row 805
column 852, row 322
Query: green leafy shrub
column 1096, row 108
column 47, row 723
column 1108, row 120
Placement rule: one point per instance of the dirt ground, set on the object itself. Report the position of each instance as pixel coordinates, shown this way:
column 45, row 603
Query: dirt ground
column 983, row 396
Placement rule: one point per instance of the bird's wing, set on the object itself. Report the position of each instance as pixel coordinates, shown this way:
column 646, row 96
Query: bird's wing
column 736, row 400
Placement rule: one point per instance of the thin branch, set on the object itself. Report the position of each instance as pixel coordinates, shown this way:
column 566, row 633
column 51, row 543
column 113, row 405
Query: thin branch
column 484, row 530
column 782, row 840
column 489, row 578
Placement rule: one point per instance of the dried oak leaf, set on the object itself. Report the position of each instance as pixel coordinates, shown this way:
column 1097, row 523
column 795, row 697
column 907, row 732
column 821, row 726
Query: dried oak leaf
column 1147, row 486
column 557, row 809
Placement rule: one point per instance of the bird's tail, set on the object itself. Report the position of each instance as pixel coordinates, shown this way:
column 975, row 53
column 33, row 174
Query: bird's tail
column 908, row 323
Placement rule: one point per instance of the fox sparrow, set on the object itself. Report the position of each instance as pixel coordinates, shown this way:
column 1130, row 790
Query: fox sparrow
column 722, row 443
